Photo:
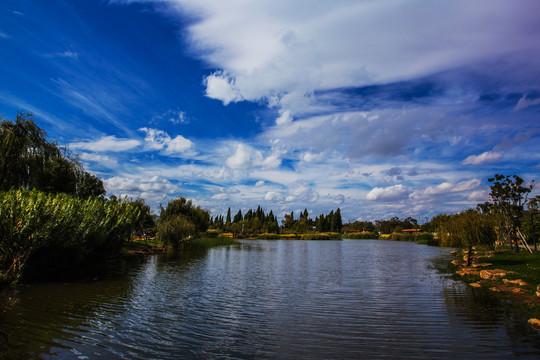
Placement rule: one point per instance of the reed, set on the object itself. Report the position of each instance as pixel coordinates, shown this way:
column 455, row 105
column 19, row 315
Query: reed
column 43, row 233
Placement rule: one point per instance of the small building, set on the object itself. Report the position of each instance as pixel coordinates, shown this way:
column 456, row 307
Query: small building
column 411, row 231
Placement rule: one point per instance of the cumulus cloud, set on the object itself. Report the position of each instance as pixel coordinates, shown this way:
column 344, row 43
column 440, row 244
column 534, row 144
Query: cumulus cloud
column 388, row 194
column 273, row 196
column 220, row 197
column 488, row 156
column 245, row 156
column 160, row 140
column 154, row 189
column 222, row 87
column 107, row 143
column 302, row 193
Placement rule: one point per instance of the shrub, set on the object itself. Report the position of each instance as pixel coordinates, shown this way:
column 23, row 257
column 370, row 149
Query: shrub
column 45, row 235
column 360, row 236
column 320, row 236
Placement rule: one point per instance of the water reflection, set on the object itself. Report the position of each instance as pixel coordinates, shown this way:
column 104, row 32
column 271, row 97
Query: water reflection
column 266, row 299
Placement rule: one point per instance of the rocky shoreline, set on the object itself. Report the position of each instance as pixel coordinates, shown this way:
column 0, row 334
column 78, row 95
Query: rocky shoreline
column 507, row 283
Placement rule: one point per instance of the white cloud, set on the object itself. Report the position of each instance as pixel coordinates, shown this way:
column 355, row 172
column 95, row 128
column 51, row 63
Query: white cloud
column 284, row 118
column 222, row 87
column 107, row 143
column 160, row 140
column 153, row 189
column 488, row 156
column 302, row 193
column 339, row 199
column 391, row 193
column 178, row 145
column 273, row 196
column 259, row 183
column 524, row 103
column 243, row 157
column 309, row 157
column 101, row 159
column 246, row 156
column 446, row 187
column 274, row 47
column 478, row 196
column 220, row 197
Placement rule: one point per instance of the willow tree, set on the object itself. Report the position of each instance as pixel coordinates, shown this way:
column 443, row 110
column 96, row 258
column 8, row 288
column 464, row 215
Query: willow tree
column 29, row 160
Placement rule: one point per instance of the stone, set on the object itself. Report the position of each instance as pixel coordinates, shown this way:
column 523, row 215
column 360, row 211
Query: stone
column 467, row 271
column 494, row 274
column 534, row 323
column 517, row 282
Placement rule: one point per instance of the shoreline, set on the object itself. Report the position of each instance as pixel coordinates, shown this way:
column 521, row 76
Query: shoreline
column 506, row 275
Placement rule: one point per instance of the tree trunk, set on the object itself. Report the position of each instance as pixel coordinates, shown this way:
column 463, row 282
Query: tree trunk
column 469, row 255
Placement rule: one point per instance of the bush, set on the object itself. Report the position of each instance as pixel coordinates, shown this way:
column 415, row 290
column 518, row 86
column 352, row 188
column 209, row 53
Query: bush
column 45, row 235
column 360, row 236
column 267, row 236
column 320, row 236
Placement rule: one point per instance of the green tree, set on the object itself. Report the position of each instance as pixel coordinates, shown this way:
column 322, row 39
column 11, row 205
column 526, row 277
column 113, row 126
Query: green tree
column 466, row 230
column 337, row 223
column 89, row 185
column 228, row 220
column 28, row 160
column 507, row 198
column 181, row 220
column 145, row 223
column 238, row 217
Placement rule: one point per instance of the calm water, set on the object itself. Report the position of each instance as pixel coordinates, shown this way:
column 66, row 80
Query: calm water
column 350, row 299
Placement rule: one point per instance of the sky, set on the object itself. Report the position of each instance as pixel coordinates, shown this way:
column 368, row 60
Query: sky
column 380, row 108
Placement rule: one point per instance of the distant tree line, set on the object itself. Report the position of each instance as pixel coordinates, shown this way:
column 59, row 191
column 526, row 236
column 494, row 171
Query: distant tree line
column 253, row 222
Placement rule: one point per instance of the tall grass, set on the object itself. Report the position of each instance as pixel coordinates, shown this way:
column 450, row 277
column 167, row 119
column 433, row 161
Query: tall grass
column 43, row 233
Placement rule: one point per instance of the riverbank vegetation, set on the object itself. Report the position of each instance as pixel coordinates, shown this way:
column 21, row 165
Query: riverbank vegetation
column 55, row 221
column 44, row 236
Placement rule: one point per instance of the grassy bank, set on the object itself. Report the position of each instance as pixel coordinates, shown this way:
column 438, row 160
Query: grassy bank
column 205, row 243
column 509, row 275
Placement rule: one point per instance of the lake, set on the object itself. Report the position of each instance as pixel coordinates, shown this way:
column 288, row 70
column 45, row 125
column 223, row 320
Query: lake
column 350, row 299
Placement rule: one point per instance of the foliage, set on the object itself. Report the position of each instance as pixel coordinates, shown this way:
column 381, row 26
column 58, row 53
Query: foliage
column 145, row 225
column 253, row 222
column 205, row 243
column 181, row 220
column 46, row 234
column 267, row 236
column 359, row 226
column 361, row 236
column 507, row 197
column 467, row 229
column 395, row 224
column 318, row 236
column 402, row 237
column 28, row 160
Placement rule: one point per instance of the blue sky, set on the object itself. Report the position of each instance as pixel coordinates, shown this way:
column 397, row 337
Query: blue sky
column 382, row 108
